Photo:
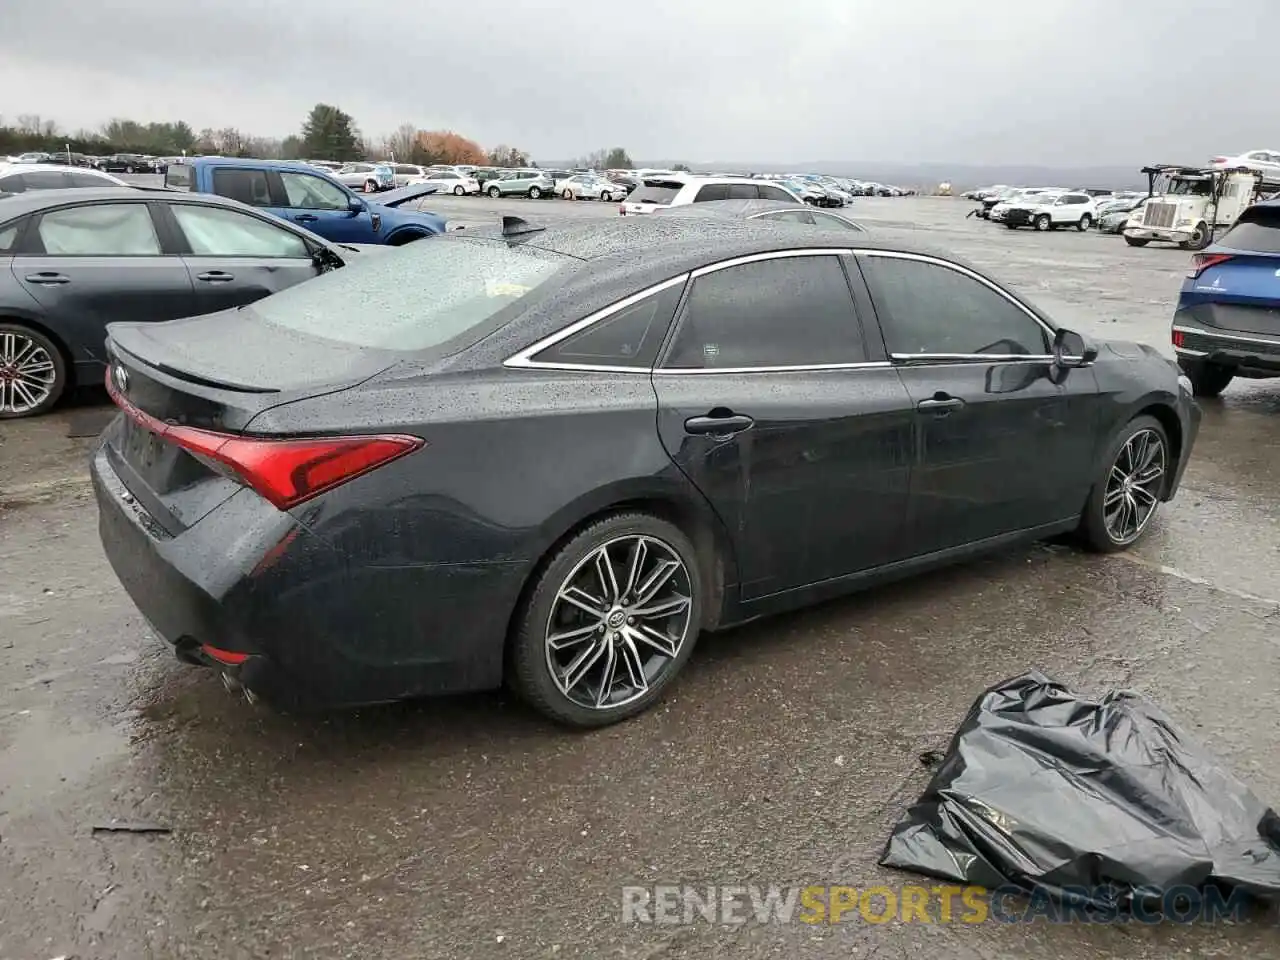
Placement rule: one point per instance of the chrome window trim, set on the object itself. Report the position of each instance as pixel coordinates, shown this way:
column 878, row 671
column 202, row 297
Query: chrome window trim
column 770, row 255
column 797, row 368
column 938, row 262
column 974, row 357
column 1196, row 331
column 524, row 359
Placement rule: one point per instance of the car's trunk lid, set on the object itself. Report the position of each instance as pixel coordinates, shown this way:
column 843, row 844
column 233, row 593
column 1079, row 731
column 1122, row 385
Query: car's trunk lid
column 214, row 373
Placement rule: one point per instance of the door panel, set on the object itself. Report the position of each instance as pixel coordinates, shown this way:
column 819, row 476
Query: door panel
column 224, row 282
column 95, row 291
column 817, row 487
column 1016, row 454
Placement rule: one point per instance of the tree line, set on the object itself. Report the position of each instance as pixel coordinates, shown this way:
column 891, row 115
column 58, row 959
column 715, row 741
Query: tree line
column 327, row 133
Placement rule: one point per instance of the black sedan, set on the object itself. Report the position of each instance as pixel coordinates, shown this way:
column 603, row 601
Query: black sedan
column 552, row 457
column 72, row 261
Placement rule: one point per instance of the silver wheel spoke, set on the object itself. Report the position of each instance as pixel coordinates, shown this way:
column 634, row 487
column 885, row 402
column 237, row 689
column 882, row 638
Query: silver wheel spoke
column 583, row 601
column 638, row 556
column 608, row 674
column 608, row 579
column 1113, row 496
column 631, row 659
column 650, row 637
column 1145, row 494
column 653, row 583
column 581, row 665
column 567, row 638
column 662, row 608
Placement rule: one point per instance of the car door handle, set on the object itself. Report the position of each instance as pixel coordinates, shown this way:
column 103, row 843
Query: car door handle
column 215, row 276
column 722, row 426
column 48, row 278
column 940, row 404
column 306, row 218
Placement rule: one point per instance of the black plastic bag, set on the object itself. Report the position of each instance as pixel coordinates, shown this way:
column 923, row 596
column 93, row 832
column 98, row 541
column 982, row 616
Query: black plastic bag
column 1045, row 789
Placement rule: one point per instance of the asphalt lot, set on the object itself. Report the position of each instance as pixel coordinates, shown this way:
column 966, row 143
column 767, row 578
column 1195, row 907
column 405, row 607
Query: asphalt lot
column 468, row 828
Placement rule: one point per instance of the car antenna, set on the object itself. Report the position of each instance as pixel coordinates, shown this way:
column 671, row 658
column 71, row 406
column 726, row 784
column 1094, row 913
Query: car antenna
column 517, row 226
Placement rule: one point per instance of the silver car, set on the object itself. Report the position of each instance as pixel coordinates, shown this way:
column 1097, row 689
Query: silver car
column 586, row 186
column 525, row 183
column 369, row 177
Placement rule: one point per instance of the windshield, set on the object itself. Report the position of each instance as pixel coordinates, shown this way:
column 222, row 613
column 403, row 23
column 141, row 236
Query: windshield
column 414, row 297
column 1189, row 188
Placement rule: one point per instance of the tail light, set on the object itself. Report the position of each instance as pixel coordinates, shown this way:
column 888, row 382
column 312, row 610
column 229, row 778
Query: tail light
column 1219, row 160
column 284, row 472
column 1177, row 338
column 1203, row 261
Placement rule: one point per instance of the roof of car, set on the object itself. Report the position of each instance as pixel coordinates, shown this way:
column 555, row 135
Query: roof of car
column 246, row 162
column 7, row 168
column 31, row 201
column 732, row 208
column 679, row 242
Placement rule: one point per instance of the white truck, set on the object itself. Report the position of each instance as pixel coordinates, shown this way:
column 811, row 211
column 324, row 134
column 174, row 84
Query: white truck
column 1187, row 205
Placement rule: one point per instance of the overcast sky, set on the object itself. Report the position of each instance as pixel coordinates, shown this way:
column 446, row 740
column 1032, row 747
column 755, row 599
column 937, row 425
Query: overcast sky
column 1056, row 82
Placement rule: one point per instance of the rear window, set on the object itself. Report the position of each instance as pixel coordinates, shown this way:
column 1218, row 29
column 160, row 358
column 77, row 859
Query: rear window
column 178, row 176
column 655, row 191
column 1258, row 229
column 415, row 297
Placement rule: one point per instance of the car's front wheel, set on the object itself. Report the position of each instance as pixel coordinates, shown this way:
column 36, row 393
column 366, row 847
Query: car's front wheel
column 370, row 186
column 1085, row 222
column 1207, row 379
column 534, row 193
column 609, row 621
column 495, row 192
column 459, row 190
column 1127, row 494
column 33, row 373
column 1135, row 241
column 1043, row 222
column 606, row 196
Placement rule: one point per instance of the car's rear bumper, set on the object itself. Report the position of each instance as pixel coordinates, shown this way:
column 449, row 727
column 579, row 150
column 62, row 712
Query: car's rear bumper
column 306, row 627
column 1250, row 354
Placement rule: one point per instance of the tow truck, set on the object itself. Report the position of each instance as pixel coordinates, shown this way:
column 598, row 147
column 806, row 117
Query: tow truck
column 1186, row 205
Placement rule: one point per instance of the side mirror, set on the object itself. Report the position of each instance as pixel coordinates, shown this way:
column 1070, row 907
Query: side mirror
column 356, row 205
column 1071, row 350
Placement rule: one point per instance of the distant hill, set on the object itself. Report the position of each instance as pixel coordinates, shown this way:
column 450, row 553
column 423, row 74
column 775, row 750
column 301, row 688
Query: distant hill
column 927, row 175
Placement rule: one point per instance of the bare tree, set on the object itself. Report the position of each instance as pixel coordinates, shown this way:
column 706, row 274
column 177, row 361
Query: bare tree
column 29, row 123
column 230, row 141
column 399, row 145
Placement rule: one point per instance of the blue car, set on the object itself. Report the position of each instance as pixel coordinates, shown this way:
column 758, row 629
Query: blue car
column 1228, row 319
column 308, row 197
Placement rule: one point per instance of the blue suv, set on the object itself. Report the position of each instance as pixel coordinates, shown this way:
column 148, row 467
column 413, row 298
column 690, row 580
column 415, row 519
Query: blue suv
column 1227, row 323
column 307, row 196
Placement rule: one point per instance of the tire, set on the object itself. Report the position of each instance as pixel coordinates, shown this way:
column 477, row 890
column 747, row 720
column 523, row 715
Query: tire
column 1208, row 380
column 129, row 169
column 42, row 367
column 534, row 193
column 1097, row 531
column 1011, row 226
column 1135, row 241
column 1085, row 222
column 495, row 192
column 458, row 191
column 606, row 196
column 1199, row 239
column 568, row 194
column 531, row 658
column 1043, row 222
column 370, row 186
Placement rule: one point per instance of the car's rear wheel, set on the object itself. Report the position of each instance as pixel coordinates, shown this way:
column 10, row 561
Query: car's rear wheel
column 1011, row 226
column 1136, row 241
column 1127, row 495
column 606, row 196
column 1043, row 222
column 609, row 622
column 1207, row 379
column 534, row 193
column 129, row 169
column 495, row 192
column 459, row 190
column 1085, row 222
column 33, row 372
column 567, row 194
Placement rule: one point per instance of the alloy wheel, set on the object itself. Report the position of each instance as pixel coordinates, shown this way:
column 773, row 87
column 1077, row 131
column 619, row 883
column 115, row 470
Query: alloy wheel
column 1133, row 486
column 618, row 622
column 27, row 374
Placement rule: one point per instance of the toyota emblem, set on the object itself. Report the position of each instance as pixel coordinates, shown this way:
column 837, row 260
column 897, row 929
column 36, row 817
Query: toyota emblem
column 121, row 377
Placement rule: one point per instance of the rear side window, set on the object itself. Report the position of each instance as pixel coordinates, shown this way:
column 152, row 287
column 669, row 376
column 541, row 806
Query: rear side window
column 86, row 180
column 382, row 304
column 770, row 192
column 103, row 230
column 743, row 191
column 655, row 192
column 178, row 176
column 629, row 338
column 1257, row 229
column 9, row 236
column 711, row 192
column 791, row 311
column 46, row 180
column 247, row 186
column 788, row 216
column 12, row 184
